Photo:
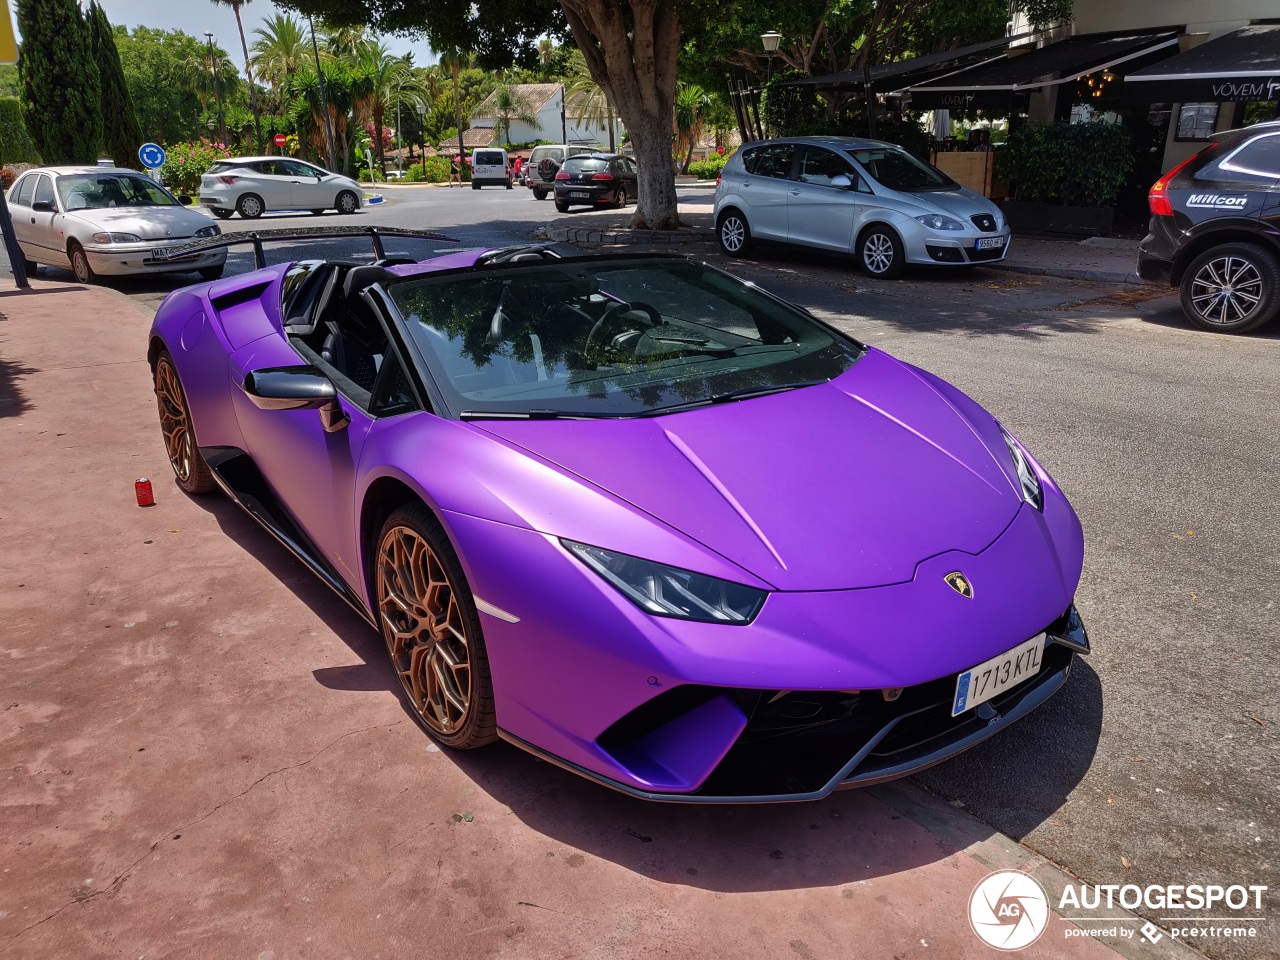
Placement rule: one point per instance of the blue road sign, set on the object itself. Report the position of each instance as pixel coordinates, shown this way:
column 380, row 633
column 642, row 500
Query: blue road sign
column 151, row 155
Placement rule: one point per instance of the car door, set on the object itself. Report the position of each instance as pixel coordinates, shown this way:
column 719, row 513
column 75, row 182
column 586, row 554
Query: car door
column 20, row 196
column 766, row 189
column 269, row 180
column 822, row 215
column 47, row 240
column 627, row 171
column 307, row 190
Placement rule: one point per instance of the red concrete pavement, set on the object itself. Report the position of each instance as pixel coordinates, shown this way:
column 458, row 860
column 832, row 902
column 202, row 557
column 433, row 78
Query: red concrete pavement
column 204, row 756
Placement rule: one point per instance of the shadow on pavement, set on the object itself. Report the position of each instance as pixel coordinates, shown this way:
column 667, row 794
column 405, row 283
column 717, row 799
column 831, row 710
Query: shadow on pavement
column 835, row 841
column 13, row 400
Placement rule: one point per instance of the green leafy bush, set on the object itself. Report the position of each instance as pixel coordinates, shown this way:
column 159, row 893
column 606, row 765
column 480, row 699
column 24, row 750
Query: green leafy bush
column 437, row 171
column 186, row 163
column 1072, row 164
column 709, row 168
column 16, row 145
column 7, row 177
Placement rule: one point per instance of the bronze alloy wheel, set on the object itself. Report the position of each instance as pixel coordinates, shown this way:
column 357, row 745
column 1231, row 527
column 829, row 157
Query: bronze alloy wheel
column 189, row 468
column 431, row 630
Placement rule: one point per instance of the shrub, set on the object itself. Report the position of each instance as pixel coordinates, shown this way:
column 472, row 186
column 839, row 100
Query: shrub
column 709, row 168
column 7, row 177
column 437, row 171
column 16, row 145
column 186, row 163
column 1073, row 164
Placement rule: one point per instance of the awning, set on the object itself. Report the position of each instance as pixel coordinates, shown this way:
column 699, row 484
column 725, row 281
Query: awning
column 991, row 86
column 1244, row 65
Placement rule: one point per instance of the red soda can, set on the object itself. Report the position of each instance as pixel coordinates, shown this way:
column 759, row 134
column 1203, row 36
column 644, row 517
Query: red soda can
column 142, row 487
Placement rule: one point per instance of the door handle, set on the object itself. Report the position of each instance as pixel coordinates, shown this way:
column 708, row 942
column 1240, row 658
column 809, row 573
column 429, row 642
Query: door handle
column 795, row 193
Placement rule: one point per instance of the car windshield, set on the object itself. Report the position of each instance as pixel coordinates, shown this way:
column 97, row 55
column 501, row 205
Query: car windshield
column 585, row 165
column 899, row 170
column 95, row 191
column 610, row 337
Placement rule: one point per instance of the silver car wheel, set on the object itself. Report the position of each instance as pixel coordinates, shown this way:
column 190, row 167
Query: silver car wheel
column 346, row 202
column 732, row 233
column 1226, row 290
column 877, row 253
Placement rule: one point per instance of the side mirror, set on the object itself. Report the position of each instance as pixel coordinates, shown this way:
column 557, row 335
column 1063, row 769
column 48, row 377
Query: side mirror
column 289, row 388
column 184, row 200
column 43, row 206
column 842, row 182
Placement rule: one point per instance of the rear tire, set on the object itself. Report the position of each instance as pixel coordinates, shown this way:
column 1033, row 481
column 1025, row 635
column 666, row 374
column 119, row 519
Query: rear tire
column 620, row 201
column 539, row 193
column 222, row 213
column 1233, row 288
column 562, row 206
column 80, row 264
column 428, row 619
column 734, row 234
column 880, row 253
column 316, row 213
column 31, row 266
column 250, row 206
column 474, row 185
column 189, row 467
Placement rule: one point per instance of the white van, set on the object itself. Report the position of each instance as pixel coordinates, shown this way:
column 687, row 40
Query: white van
column 490, row 166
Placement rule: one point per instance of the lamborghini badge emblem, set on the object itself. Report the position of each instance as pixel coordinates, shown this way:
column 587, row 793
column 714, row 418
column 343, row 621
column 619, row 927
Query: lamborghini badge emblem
column 958, row 582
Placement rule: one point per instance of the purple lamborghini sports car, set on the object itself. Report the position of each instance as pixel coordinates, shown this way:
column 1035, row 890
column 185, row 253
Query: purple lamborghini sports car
column 632, row 514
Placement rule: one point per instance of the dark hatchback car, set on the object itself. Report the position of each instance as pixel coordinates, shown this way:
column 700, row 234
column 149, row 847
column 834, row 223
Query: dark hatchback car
column 1215, row 231
column 596, row 179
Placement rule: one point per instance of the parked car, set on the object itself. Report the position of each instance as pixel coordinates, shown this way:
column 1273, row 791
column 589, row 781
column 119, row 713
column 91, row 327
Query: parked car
column 252, row 186
column 490, row 166
column 605, row 575
column 872, row 199
column 102, row 220
column 1215, row 231
column 544, row 163
column 595, row 179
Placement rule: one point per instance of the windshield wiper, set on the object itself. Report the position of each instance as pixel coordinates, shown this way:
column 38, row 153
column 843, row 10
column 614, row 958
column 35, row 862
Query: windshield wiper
column 730, row 396
column 530, row 415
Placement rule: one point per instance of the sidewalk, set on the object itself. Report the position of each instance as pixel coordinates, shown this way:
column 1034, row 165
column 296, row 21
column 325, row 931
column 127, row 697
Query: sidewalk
column 1102, row 259
column 206, row 757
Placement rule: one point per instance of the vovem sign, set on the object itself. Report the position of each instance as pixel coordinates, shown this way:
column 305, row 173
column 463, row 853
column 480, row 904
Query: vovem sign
column 1267, row 89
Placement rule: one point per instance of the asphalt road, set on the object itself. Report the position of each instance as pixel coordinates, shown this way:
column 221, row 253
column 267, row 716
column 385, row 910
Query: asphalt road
column 1158, row 763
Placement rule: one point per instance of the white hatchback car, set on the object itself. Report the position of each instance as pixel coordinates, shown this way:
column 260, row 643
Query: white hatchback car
column 252, row 186
column 865, row 197
column 104, row 220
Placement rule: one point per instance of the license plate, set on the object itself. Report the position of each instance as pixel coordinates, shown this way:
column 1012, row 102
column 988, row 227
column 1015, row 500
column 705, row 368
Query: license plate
column 991, row 243
column 991, row 678
column 579, row 193
column 160, row 252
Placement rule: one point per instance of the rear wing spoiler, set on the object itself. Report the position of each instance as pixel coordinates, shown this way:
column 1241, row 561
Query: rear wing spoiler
column 258, row 237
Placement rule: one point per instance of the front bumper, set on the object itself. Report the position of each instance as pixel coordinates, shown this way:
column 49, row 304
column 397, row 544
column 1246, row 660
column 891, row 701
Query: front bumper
column 118, row 259
column 960, row 248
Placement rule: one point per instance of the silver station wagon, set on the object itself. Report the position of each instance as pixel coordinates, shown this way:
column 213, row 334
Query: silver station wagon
column 865, row 197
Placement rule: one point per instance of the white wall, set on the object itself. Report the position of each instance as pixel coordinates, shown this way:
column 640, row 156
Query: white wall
column 1213, row 16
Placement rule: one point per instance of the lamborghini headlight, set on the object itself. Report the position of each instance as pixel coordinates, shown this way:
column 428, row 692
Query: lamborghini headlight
column 669, row 591
column 1030, row 483
column 212, row 230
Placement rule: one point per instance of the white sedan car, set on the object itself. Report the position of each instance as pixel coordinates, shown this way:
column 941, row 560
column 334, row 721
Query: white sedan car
column 252, row 186
column 103, row 220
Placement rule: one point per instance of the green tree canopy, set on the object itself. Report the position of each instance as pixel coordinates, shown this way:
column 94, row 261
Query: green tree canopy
column 121, row 133
column 61, row 89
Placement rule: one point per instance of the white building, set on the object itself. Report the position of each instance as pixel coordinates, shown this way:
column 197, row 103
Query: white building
column 554, row 122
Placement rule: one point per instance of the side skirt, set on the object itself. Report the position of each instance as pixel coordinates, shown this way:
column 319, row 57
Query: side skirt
column 240, row 479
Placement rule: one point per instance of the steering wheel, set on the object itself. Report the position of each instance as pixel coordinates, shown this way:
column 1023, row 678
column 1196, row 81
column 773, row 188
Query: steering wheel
column 616, row 310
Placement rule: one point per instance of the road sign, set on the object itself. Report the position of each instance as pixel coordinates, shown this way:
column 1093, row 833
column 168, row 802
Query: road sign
column 279, row 139
column 151, row 155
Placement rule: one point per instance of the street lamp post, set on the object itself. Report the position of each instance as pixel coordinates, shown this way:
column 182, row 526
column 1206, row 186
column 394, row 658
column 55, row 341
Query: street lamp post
column 421, row 108
column 399, row 133
column 770, row 42
column 217, row 88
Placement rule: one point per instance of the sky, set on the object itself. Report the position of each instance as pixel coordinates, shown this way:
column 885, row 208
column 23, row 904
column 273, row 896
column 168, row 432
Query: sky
column 197, row 16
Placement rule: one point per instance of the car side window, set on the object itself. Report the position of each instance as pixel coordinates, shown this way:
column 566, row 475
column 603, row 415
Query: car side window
column 292, row 168
column 44, row 191
column 1258, row 161
column 22, row 193
column 773, row 161
column 266, row 166
column 819, row 166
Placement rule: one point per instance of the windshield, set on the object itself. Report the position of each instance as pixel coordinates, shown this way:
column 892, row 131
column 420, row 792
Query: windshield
column 95, row 191
column 899, row 170
column 610, row 338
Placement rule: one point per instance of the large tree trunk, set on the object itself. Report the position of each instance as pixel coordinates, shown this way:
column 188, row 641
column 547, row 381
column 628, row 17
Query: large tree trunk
column 631, row 47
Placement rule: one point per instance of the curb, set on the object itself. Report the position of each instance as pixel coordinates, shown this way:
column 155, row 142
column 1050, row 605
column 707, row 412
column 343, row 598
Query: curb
column 1073, row 273
column 627, row 237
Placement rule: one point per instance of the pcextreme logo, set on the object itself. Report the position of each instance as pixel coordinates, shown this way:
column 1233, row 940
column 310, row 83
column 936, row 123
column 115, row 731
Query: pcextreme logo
column 1008, row 910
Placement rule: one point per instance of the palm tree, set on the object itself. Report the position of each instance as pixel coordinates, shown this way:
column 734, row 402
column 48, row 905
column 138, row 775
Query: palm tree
column 342, row 43
column 235, row 5
column 196, row 75
column 279, row 50
column 508, row 107
column 590, row 103
column 693, row 104
column 455, row 61
column 392, row 83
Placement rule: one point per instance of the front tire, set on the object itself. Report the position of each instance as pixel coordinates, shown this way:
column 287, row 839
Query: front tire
column 250, row 206
column 316, row 213
column 880, row 253
column 734, row 234
column 80, row 264
column 432, row 631
column 30, row 266
column 222, row 213
column 347, row 202
column 212, row 273
column 1233, row 288
column 189, row 468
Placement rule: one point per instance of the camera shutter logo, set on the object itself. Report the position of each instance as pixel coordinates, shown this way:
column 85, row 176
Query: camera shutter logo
column 1008, row 910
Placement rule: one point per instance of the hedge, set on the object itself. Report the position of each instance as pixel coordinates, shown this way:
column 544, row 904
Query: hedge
column 1073, row 164
column 16, row 145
